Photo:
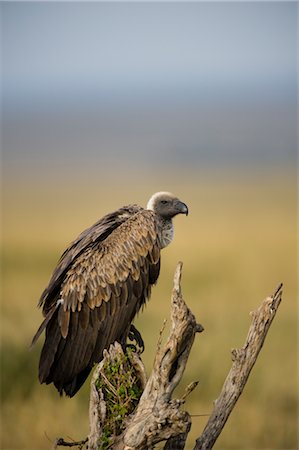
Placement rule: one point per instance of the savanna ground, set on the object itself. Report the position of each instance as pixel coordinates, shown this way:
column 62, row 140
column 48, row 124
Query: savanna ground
column 237, row 245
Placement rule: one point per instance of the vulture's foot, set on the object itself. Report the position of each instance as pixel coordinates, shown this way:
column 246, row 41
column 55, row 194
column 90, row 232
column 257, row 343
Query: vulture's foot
column 134, row 335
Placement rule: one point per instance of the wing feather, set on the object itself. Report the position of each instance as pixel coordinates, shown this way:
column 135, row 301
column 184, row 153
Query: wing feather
column 74, row 325
column 63, row 321
column 91, row 236
column 102, row 291
column 49, row 350
column 138, row 287
column 84, row 316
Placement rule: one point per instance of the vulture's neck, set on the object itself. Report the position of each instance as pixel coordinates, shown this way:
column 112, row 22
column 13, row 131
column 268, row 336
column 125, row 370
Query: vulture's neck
column 167, row 231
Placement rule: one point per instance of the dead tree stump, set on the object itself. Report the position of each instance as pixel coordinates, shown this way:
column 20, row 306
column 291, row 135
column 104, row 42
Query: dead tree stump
column 157, row 417
column 130, row 411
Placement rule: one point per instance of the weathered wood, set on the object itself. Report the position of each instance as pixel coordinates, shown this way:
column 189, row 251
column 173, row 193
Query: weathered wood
column 60, row 442
column 158, row 417
column 115, row 387
column 177, row 442
column 243, row 361
column 97, row 409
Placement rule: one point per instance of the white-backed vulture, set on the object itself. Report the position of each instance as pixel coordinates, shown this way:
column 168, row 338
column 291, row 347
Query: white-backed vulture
column 100, row 283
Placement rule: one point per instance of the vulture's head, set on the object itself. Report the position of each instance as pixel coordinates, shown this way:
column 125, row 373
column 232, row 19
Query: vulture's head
column 166, row 205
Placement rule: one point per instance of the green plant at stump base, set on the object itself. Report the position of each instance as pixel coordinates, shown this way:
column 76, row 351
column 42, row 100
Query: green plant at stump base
column 121, row 390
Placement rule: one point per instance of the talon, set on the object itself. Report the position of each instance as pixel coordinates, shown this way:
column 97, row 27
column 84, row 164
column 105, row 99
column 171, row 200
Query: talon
column 134, row 335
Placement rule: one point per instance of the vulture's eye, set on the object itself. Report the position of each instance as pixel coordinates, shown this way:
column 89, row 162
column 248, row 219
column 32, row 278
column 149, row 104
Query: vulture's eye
column 164, row 202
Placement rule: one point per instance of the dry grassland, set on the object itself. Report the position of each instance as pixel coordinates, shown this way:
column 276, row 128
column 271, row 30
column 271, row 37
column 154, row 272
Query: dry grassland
column 237, row 245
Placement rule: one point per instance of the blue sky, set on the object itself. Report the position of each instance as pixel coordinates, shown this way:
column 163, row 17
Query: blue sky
column 96, row 61
column 71, row 46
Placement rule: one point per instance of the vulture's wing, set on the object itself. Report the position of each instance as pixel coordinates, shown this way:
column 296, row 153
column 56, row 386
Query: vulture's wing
column 102, row 290
column 96, row 233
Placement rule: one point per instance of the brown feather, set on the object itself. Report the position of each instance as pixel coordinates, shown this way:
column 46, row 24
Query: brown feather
column 53, row 337
column 43, row 325
column 113, row 305
column 74, row 321
column 63, row 321
column 90, row 298
column 123, row 294
column 102, row 291
column 154, row 254
column 84, row 316
column 138, row 287
column 98, row 300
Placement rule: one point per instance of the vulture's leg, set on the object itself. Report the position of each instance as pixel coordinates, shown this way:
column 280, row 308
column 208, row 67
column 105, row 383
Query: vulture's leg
column 134, row 335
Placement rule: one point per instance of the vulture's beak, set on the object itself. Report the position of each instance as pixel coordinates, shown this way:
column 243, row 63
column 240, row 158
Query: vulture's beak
column 182, row 208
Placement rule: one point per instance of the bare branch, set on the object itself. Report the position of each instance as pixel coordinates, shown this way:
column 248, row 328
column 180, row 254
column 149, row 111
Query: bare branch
column 60, row 442
column 157, row 417
column 243, row 361
column 177, row 442
column 129, row 411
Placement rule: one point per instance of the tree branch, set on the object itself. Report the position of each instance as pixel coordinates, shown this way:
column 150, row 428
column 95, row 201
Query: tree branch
column 60, row 442
column 129, row 411
column 243, row 361
column 157, row 417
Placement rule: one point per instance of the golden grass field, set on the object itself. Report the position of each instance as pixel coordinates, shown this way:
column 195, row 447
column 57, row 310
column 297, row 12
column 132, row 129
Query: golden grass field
column 237, row 244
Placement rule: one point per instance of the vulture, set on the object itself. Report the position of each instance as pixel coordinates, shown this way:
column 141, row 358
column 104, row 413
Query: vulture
column 100, row 283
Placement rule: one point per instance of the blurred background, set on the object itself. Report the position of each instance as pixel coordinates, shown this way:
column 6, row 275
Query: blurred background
column 104, row 104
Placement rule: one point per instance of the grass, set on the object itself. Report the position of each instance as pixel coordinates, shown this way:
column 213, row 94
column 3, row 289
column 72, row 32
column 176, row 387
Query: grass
column 120, row 388
column 237, row 245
